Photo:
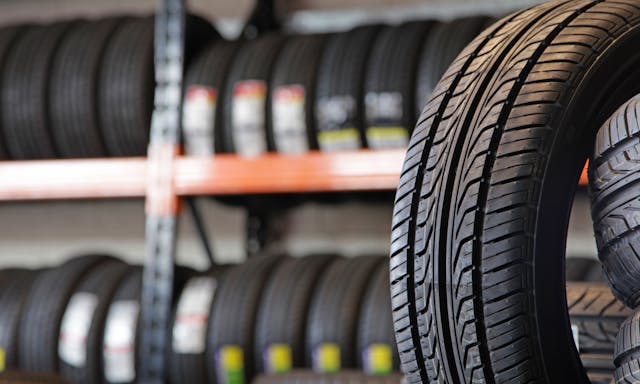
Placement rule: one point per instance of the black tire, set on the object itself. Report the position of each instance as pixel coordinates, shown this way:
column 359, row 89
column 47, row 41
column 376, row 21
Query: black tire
column 125, row 88
column 580, row 268
column 8, row 37
column 444, row 42
column 120, row 345
column 375, row 328
column 73, row 91
column 249, row 79
column 340, row 94
column 43, row 311
column 597, row 315
column 187, row 362
column 24, row 92
column 390, row 85
column 80, row 360
column 282, row 315
column 205, row 82
column 293, row 88
column 13, row 293
column 486, row 189
column 309, row 377
column 627, row 352
column 233, row 316
column 334, row 312
column 614, row 171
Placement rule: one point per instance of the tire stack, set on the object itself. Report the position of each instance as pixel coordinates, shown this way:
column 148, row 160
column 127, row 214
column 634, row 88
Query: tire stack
column 81, row 88
column 482, row 208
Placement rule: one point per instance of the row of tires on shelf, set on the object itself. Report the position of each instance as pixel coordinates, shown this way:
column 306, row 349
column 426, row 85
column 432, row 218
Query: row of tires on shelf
column 271, row 315
column 84, row 88
column 484, row 200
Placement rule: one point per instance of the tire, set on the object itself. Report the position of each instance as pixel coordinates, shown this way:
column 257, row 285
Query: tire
column 309, row 377
column 205, row 83
column 8, row 36
column 486, row 189
column 627, row 352
column 581, row 268
column 121, row 335
column 73, row 91
column 390, row 85
column 247, row 99
column 13, row 293
column 23, row 96
column 187, row 360
column 43, row 310
column 597, row 315
column 444, row 42
column 376, row 349
column 125, row 88
column 293, row 88
column 282, row 315
column 232, row 321
column 613, row 176
column 340, row 94
column 332, row 328
column 80, row 360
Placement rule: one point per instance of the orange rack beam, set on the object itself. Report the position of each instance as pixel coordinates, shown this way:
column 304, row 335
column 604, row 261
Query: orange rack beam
column 219, row 175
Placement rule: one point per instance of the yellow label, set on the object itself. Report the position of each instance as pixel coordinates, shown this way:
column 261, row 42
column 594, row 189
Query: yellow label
column 339, row 136
column 231, row 365
column 387, row 133
column 279, row 358
column 2, row 358
column 327, row 358
column 379, row 359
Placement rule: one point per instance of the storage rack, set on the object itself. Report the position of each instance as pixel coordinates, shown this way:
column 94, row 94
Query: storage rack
column 165, row 176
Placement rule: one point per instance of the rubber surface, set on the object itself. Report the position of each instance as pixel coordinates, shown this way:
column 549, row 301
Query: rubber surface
column 484, row 198
column 209, row 70
column 99, row 284
column 627, row 352
column 335, row 308
column 340, row 93
column 282, row 315
column 253, row 63
column 8, row 36
column 14, row 288
column 444, row 42
column 43, row 311
column 375, row 326
column 24, row 92
column 295, row 79
column 232, row 320
column 614, row 172
column 73, row 89
column 390, row 85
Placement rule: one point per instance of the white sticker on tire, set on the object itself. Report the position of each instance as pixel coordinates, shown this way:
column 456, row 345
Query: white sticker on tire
column 576, row 336
column 192, row 315
column 289, row 119
column 336, row 129
column 119, row 341
column 384, row 116
column 72, row 343
column 248, row 117
column 198, row 120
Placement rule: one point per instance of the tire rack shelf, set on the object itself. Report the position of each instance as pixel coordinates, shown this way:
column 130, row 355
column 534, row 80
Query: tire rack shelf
column 216, row 175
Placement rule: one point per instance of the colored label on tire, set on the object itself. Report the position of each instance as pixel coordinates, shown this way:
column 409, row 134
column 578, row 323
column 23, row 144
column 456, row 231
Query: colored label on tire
column 384, row 111
column 378, row 359
column 76, row 322
column 198, row 120
column 230, row 365
column 326, row 358
column 336, row 116
column 289, row 119
column 192, row 316
column 119, row 339
column 278, row 358
column 2, row 360
column 248, row 117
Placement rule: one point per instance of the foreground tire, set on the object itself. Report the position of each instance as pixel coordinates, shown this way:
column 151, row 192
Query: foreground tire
column 482, row 207
column 627, row 353
column 614, row 172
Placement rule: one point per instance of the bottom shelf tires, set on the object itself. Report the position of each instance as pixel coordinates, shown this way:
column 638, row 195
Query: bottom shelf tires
column 309, row 377
column 484, row 198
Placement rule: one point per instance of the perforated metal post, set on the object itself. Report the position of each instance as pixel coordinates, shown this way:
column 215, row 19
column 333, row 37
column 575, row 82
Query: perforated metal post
column 162, row 205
